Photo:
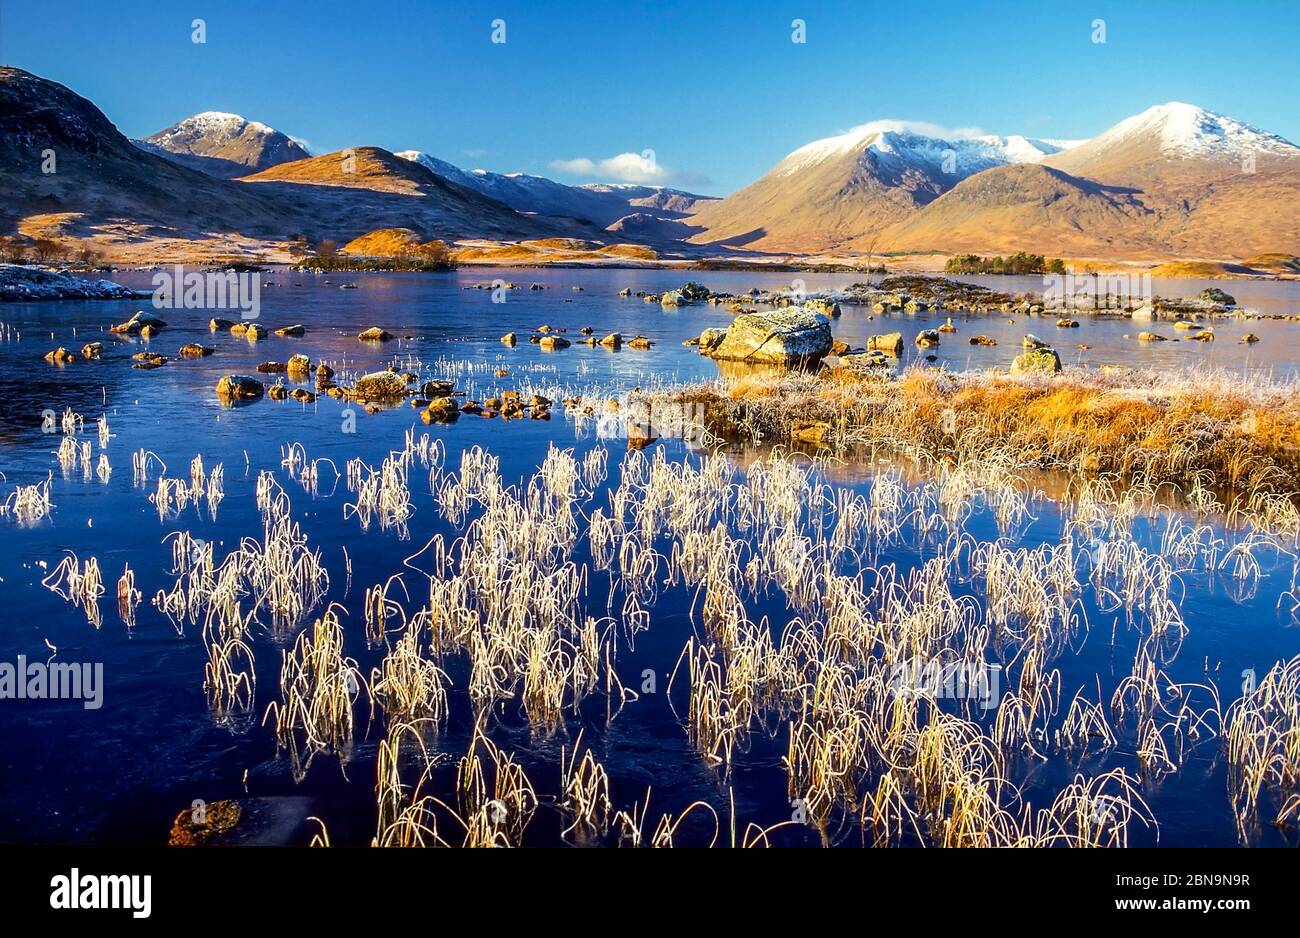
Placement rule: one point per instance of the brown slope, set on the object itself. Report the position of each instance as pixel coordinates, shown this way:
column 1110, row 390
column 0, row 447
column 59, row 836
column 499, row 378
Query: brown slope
column 1215, row 187
column 101, row 176
column 353, row 191
column 1025, row 207
column 820, row 207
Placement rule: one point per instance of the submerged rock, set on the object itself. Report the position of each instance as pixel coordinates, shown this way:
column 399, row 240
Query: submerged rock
column 380, row 386
column 60, row 356
column 137, row 324
column 240, row 388
column 1216, row 296
column 193, row 827
column 790, row 336
column 441, row 410
column 982, row 340
column 147, row 360
column 811, row 431
column 1041, row 360
column 295, row 329
column 823, row 305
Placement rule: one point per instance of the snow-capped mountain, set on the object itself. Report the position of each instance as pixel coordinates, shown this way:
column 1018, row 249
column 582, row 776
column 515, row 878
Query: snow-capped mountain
column 1174, row 179
column 1167, row 133
column 902, row 141
column 601, row 204
column 833, row 190
column 1168, row 176
column 222, row 144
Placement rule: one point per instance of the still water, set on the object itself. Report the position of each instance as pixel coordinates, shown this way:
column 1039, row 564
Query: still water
column 120, row 773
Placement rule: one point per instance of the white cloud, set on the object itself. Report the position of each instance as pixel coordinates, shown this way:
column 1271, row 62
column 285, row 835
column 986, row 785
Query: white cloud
column 924, row 128
column 640, row 168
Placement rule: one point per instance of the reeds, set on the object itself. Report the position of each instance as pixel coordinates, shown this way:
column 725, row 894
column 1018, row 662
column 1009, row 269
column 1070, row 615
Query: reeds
column 78, row 583
column 320, row 686
column 28, row 504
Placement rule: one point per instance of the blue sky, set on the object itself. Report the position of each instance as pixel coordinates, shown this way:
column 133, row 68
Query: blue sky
column 718, row 91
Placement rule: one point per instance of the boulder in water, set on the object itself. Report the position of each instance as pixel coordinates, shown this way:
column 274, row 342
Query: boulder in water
column 791, row 336
column 240, row 388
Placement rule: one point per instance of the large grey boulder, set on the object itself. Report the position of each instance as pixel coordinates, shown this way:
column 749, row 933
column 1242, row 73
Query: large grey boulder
column 791, row 336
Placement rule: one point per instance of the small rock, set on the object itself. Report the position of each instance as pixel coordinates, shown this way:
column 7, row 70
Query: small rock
column 441, row 410
column 380, row 386
column 891, row 343
column 148, row 360
column 240, row 388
